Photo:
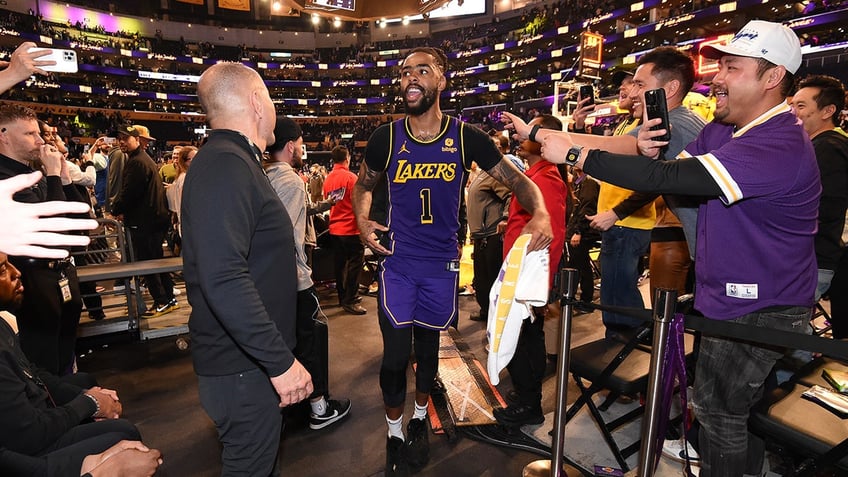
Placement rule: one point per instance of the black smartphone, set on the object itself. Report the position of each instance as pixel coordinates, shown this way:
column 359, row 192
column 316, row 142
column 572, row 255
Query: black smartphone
column 656, row 107
column 587, row 91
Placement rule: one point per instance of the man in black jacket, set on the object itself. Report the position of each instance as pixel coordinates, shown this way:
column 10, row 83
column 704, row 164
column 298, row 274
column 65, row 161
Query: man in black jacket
column 580, row 235
column 241, row 278
column 42, row 413
column 50, row 312
column 144, row 209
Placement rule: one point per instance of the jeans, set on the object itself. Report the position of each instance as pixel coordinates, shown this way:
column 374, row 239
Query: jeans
column 824, row 281
column 621, row 249
column 729, row 379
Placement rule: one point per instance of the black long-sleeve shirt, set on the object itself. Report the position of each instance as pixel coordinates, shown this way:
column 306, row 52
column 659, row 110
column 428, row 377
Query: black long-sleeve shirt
column 832, row 157
column 239, row 262
column 141, row 199
column 684, row 176
column 36, row 408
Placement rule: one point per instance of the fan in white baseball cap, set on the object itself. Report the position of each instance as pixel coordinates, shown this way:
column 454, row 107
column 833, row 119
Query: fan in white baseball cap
column 773, row 42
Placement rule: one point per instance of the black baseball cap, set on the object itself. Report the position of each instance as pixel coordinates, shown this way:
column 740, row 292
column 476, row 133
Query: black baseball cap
column 286, row 130
column 619, row 76
column 127, row 129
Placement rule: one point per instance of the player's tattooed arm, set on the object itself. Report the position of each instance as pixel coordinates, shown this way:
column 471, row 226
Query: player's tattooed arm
column 530, row 198
column 362, row 197
column 368, row 178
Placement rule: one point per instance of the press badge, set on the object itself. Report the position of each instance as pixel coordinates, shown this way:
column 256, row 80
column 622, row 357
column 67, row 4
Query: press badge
column 65, row 290
column 745, row 291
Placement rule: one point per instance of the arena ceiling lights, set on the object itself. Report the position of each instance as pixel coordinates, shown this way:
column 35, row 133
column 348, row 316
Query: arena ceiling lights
column 361, row 10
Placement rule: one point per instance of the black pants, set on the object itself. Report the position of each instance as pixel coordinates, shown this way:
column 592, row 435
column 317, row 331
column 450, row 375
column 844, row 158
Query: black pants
column 147, row 245
column 349, row 258
column 579, row 259
column 839, row 298
column 488, row 258
column 312, row 348
column 245, row 409
column 93, row 438
column 396, row 345
column 48, row 324
column 527, row 367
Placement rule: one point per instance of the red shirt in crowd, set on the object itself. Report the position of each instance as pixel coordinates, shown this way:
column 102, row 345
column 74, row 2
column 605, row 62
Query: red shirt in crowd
column 342, row 219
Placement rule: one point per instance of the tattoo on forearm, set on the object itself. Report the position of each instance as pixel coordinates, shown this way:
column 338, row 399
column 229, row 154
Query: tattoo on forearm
column 522, row 188
column 368, row 178
column 362, row 191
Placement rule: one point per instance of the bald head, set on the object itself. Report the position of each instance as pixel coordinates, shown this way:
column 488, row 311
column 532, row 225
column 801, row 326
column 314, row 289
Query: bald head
column 224, row 89
column 233, row 96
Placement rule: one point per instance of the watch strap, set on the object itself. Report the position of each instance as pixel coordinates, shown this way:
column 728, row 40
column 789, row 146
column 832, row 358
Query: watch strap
column 533, row 131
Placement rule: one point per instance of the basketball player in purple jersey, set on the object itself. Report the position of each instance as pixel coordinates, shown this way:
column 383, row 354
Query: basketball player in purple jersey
column 425, row 158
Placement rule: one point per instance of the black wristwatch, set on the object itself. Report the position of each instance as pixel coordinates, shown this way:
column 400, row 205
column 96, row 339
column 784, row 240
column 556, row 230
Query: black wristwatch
column 573, row 155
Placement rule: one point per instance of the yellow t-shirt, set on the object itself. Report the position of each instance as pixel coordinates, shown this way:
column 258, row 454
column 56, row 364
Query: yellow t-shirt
column 611, row 195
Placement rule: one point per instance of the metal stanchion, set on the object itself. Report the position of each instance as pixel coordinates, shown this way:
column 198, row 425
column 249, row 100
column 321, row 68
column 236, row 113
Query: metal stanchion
column 556, row 467
column 666, row 302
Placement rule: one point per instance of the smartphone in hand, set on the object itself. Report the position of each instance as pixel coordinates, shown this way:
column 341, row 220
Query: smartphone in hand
column 587, row 91
column 655, row 106
column 66, row 60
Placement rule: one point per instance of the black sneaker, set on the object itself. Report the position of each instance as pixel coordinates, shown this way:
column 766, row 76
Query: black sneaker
column 336, row 410
column 395, row 461
column 417, row 446
column 519, row 415
column 159, row 310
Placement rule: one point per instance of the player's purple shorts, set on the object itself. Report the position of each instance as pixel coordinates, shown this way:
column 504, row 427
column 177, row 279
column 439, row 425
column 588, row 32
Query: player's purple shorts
column 419, row 292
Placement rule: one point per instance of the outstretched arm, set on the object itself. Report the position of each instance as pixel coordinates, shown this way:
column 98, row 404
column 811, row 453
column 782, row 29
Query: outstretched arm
column 530, row 197
column 22, row 65
column 363, row 193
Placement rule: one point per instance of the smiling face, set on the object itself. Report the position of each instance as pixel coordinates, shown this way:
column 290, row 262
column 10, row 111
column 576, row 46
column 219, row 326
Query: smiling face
column 643, row 80
column 421, row 82
column 530, row 151
column 624, row 101
column 739, row 90
column 806, row 107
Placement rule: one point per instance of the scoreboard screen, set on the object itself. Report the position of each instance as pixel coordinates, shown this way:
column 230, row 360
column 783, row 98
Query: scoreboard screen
column 349, row 5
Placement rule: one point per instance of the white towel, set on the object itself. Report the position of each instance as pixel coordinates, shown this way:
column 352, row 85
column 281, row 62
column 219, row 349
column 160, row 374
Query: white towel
column 522, row 283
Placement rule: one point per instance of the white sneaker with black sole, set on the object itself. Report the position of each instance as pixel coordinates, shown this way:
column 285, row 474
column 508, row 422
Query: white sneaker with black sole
column 673, row 449
column 337, row 409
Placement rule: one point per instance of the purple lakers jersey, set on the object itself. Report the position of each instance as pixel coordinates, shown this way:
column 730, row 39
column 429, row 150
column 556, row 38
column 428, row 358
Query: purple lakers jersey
column 425, row 186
